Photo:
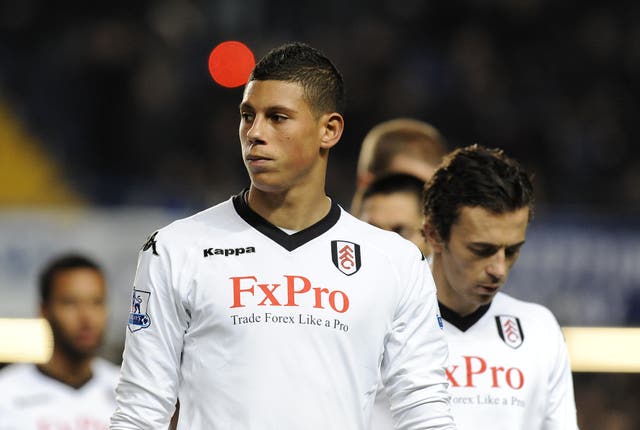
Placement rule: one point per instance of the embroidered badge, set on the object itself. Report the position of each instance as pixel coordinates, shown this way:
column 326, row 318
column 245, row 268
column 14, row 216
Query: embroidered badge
column 139, row 318
column 346, row 256
column 510, row 330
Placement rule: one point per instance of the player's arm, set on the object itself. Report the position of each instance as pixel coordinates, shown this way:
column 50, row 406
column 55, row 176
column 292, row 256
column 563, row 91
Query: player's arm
column 416, row 353
column 147, row 391
column 560, row 412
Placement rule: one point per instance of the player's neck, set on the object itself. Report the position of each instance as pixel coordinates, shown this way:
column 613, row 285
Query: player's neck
column 293, row 209
column 73, row 371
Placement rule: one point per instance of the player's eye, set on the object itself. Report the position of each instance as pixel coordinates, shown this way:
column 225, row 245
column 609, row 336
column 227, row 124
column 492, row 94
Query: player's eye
column 278, row 118
column 484, row 251
column 403, row 230
column 512, row 251
column 247, row 116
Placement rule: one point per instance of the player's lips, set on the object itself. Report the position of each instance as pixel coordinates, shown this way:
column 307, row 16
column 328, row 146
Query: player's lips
column 257, row 161
column 489, row 288
column 87, row 337
column 252, row 158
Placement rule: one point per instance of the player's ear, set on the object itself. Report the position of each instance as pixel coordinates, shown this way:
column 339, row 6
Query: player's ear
column 432, row 237
column 332, row 127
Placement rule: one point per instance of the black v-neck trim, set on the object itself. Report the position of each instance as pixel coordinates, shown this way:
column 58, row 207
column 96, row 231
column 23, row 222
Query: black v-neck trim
column 463, row 323
column 287, row 241
column 75, row 387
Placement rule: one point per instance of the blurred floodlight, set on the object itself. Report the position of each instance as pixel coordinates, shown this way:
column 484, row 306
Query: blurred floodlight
column 25, row 340
column 603, row 349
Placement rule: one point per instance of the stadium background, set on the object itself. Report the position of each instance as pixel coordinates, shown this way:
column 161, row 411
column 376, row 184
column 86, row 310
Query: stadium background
column 110, row 127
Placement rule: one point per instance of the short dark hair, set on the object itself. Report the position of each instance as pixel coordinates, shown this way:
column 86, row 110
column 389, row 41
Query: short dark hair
column 61, row 264
column 395, row 183
column 300, row 63
column 475, row 176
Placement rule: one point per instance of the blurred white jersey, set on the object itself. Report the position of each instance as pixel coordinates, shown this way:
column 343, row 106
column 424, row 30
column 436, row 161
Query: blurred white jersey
column 253, row 328
column 31, row 400
column 509, row 370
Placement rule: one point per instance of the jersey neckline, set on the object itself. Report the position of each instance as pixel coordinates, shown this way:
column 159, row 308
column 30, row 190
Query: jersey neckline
column 287, row 241
column 466, row 322
column 77, row 387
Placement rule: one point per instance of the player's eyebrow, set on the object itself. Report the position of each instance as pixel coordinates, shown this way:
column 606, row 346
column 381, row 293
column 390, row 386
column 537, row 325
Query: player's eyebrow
column 269, row 109
column 245, row 105
column 493, row 245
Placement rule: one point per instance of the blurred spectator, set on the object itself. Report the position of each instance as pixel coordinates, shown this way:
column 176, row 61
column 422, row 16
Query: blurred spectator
column 394, row 202
column 74, row 386
column 400, row 145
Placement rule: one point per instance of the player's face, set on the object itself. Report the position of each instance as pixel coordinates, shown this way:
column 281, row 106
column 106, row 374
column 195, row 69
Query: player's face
column 472, row 266
column 77, row 311
column 280, row 135
column 399, row 212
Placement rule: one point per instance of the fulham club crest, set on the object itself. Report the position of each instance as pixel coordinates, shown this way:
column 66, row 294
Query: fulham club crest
column 345, row 256
column 510, row 330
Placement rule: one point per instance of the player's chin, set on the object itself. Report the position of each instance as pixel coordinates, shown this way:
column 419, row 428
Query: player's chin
column 268, row 183
column 485, row 297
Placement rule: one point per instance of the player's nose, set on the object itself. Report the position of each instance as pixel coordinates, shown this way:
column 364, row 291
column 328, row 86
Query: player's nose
column 497, row 268
column 255, row 132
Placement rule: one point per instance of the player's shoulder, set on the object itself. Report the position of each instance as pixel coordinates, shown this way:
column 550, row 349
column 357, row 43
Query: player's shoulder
column 184, row 230
column 105, row 367
column 105, row 370
column 505, row 303
column 213, row 216
column 17, row 375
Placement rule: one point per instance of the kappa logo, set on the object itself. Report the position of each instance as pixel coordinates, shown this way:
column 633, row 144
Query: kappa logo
column 510, row 330
column 151, row 243
column 346, row 256
column 210, row 252
column 139, row 318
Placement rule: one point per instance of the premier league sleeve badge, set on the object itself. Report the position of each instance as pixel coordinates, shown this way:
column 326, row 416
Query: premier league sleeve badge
column 138, row 317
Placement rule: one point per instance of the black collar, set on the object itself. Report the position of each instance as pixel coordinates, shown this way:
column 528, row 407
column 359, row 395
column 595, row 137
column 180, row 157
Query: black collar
column 76, row 387
column 287, row 241
column 463, row 323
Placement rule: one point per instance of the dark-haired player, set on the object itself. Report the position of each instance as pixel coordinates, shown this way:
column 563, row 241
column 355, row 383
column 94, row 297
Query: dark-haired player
column 74, row 389
column 509, row 367
column 277, row 309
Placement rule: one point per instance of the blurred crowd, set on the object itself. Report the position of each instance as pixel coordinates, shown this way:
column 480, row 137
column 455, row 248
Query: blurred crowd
column 119, row 92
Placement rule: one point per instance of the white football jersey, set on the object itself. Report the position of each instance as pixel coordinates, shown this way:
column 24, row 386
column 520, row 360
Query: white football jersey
column 253, row 328
column 509, row 370
column 31, row 400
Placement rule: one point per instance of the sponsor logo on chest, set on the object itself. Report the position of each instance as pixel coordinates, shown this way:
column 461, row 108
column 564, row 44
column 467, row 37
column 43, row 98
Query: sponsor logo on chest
column 290, row 291
column 476, row 371
column 226, row 252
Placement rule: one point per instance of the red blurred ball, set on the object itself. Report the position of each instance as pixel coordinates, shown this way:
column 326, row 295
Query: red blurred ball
column 231, row 63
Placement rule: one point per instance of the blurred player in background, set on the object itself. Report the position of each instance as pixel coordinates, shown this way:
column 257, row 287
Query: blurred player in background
column 401, row 145
column 276, row 309
column 74, row 389
column 509, row 367
column 394, row 202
